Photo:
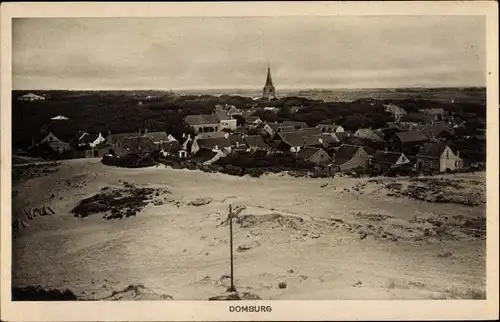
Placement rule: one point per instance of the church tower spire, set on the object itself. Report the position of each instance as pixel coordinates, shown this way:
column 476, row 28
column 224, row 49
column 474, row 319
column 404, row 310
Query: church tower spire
column 269, row 90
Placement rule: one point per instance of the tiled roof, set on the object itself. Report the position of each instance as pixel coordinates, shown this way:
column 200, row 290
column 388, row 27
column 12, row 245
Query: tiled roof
column 203, row 155
column 256, row 141
column 412, row 136
column 434, row 130
column 368, row 134
column 328, row 139
column 202, row 119
column 295, row 123
column 386, row 157
column 223, row 116
column 432, row 149
column 157, row 136
column 299, row 138
column 115, row 138
column 345, row 153
column 234, row 110
column 308, row 152
column 211, row 143
column 138, row 145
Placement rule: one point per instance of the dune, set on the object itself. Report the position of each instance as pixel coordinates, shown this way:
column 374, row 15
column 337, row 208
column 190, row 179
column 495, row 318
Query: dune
column 335, row 238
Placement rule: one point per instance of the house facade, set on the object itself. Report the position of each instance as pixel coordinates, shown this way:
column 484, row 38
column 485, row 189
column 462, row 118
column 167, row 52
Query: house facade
column 314, row 155
column 408, row 142
column 203, row 123
column 226, row 122
column 438, row 157
column 54, row 143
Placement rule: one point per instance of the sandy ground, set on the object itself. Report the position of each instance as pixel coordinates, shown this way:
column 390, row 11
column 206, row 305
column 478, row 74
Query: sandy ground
column 321, row 237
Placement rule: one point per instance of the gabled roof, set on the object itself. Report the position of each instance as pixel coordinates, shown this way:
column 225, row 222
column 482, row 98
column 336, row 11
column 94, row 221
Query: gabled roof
column 203, row 155
column 432, row 149
column 138, row 144
column 201, row 119
column 386, row 157
column 208, row 135
column 307, row 152
column 434, row 130
column 223, row 115
column 59, row 118
column 299, row 138
column 345, row 153
column 114, row 138
column 157, row 136
column 327, row 126
column 328, row 139
column 412, row 136
column 395, row 109
column 247, row 114
column 311, row 130
column 256, row 141
column 234, row 110
column 295, row 123
column 368, row 134
column 211, row 143
column 88, row 138
column 287, row 129
column 341, row 136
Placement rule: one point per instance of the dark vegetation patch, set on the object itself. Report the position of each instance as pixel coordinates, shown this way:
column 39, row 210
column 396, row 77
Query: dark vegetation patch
column 116, row 203
column 130, row 161
column 437, row 190
column 32, row 293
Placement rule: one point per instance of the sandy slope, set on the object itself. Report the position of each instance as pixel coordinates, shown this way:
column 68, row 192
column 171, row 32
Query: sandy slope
column 325, row 242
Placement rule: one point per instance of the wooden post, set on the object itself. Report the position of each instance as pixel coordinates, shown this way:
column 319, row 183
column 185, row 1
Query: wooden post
column 231, row 288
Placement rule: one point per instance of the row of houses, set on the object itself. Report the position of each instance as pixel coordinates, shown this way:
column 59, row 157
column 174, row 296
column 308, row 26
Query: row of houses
column 86, row 145
column 421, row 146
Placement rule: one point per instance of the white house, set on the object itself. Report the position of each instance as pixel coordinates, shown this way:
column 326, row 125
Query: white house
column 226, row 121
column 437, row 156
column 59, row 118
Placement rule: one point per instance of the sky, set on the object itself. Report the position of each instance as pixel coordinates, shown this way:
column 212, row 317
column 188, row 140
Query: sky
column 234, row 52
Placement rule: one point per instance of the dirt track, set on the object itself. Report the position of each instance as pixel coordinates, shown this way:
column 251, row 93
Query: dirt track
column 335, row 238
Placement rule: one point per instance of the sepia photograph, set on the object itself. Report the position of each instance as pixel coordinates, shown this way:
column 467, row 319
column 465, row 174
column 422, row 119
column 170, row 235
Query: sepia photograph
column 252, row 158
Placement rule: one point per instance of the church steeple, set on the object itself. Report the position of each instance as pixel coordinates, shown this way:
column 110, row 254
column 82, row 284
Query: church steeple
column 268, row 91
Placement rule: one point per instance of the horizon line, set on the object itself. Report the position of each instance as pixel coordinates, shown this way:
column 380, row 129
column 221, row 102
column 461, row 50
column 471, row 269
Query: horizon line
column 244, row 88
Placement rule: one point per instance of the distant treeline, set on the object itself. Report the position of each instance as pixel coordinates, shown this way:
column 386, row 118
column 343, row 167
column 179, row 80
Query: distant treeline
column 123, row 111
